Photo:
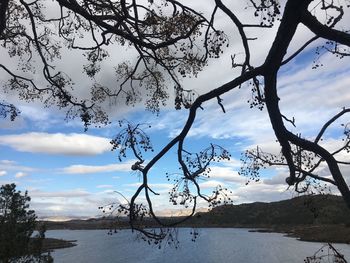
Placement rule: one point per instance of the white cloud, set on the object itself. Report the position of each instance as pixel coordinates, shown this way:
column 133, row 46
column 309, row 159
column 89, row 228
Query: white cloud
column 57, row 143
column 7, row 162
column 261, row 192
column 278, row 179
column 89, row 169
column 75, row 193
column 14, row 166
column 2, row 173
column 210, row 184
column 68, row 204
column 153, row 185
column 161, row 186
column 35, row 114
column 227, row 174
column 20, row 174
column 232, row 163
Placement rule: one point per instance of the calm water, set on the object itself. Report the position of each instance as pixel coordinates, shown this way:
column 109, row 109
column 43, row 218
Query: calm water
column 213, row 246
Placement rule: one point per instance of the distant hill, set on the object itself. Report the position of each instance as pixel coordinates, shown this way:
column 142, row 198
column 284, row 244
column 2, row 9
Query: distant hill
column 79, row 224
column 322, row 218
column 303, row 210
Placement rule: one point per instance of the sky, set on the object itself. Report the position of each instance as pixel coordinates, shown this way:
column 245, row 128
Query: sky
column 69, row 172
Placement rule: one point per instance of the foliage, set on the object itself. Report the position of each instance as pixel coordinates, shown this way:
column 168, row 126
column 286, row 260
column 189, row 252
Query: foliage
column 172, row 41
column 8, row 109
column 17, row 224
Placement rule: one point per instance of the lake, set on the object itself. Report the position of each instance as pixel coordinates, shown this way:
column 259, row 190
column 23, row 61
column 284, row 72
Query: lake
column 214, row 245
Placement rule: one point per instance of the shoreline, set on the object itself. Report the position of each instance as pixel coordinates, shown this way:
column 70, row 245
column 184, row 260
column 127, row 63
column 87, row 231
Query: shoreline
column 50, row 244
column 313, row 233
column 309, row 233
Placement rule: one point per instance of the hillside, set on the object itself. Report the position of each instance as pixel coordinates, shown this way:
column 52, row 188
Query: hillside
column 303, row 210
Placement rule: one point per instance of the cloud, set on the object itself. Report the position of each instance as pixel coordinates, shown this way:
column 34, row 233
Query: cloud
column 210, row 184
column 89, row 169
column 20, row 174
column 35, row 114
column 227, row 174
column 2, row 173
column 233, row 163
column 75, row 193
column 14, row 166
column 278, row 179
column 57, row 143
column 58, row 208
column 153, row 185
column 68, row 204
column 7, row 162
column 261, row 192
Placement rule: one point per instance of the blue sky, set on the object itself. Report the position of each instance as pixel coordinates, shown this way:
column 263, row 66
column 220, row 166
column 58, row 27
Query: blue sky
column 69, row 173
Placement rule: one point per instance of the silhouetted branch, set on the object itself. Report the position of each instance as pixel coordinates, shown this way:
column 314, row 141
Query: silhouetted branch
column 328, row 123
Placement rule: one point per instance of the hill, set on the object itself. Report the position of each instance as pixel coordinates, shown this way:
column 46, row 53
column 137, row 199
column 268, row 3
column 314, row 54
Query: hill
column 323, row 218
column 303, row 210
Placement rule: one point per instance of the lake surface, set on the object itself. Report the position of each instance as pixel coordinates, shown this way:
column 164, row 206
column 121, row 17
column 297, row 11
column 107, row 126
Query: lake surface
column 214, row 245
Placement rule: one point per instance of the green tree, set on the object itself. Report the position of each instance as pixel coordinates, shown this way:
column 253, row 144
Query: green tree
column 17, row 224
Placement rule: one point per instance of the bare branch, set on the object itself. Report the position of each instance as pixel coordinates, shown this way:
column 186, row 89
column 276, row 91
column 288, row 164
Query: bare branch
column 328, row 123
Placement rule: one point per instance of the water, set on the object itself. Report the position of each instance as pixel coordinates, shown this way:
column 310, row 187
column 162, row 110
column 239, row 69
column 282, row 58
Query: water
column 217, row 245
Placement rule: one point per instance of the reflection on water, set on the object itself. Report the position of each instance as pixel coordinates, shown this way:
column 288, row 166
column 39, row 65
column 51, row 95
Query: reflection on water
column 214, row 245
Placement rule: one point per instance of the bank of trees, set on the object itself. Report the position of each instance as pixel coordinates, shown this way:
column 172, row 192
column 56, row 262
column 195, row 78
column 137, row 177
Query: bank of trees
column 171, row 41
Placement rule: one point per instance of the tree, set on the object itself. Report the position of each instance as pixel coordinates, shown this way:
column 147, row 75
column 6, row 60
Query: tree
column 17, row 224
column 171, row 41
column 16, row 221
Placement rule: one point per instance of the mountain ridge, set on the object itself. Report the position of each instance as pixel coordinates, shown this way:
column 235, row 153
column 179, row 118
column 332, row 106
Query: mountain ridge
column 301, row 210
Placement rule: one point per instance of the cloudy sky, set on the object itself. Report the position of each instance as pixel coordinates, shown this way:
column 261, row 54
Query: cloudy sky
column 69, row 173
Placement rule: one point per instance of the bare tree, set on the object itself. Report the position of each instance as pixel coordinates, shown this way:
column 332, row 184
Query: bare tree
column 172, row 41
